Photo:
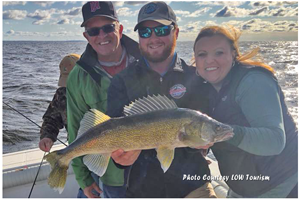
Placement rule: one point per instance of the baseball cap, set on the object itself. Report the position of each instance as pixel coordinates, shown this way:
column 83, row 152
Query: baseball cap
column 97, row 9
column 156, row 11
column 65, row 66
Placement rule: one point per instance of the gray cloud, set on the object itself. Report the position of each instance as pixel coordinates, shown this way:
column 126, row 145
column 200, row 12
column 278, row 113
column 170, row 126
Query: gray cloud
column 73, row 11
column 64, row 21
column 263, row 11
column 42, row 16
column 272, row 3
column 12, row 3
column 14, row 14
column 199, row 12
column 10, row 32
column 258, row 11
column 225, row 12
column 221, row 3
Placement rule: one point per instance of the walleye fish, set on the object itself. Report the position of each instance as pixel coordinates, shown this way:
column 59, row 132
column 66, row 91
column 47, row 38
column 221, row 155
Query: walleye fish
column 150, row 123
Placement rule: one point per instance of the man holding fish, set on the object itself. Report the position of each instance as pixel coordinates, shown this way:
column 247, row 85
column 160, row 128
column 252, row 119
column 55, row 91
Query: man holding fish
column 160, row 71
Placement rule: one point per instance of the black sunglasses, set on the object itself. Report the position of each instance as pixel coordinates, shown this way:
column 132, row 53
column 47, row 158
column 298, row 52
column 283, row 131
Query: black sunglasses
column 160, row 31
column 96, row 31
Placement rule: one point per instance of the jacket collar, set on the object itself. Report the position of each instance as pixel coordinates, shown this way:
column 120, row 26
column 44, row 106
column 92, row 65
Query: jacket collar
column 90, row 56
column 176, row 66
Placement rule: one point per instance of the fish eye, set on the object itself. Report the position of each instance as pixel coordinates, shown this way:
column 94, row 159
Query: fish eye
column 218, row 127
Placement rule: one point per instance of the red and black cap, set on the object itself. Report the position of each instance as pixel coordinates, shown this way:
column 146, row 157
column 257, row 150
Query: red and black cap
column 98, row 9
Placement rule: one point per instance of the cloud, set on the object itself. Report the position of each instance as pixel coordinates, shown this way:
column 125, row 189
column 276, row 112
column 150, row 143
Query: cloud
column 182, row 12
column 10, row 32
column 12, row 3
column 263, row 11
column 250, row 26
column 64, row 21
column 44, row 3
column 136, row 3
column 272, row 3
column 259, row 11
column 42, row 16
column 73, row 11
column 23, row 33
column 259, row 25
column 125, row 12
column 14, row 14
column 231, row 12
column 284, row 12
column 199, row 12
column 221, row 3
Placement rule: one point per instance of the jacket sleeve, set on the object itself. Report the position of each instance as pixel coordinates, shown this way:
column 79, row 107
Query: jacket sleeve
column 53, row 118
column 75, row 112
column 258, row 97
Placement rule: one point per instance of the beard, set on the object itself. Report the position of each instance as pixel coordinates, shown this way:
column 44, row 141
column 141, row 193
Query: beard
column 169, row 50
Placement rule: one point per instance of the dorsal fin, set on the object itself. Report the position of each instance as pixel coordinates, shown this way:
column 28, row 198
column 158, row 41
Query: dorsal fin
column 149, row 104
column 90, row 119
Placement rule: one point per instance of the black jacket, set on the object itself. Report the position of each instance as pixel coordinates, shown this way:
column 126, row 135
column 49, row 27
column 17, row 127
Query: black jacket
column 146, row 178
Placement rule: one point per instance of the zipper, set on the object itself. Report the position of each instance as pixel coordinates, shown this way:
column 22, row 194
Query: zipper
column 161, row 80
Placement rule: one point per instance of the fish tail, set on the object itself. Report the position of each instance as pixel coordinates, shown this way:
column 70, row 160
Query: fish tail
column 58, row 175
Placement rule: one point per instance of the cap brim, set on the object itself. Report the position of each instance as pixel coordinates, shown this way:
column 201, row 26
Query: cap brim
column 84, row 23
column 161, row 21
column 63, row 80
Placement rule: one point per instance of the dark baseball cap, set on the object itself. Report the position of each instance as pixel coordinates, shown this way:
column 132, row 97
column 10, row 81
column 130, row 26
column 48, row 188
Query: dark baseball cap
column 156, row 11
column 97, row 9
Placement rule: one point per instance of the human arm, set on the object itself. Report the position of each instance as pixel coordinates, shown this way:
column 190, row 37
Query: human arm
column 259, row 100
column 116, row 99
column 82, row 94
column 53, row 120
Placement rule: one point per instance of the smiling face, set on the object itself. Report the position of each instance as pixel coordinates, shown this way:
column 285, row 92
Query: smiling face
column 107, row 45
column 157, row 49
column 214, row 57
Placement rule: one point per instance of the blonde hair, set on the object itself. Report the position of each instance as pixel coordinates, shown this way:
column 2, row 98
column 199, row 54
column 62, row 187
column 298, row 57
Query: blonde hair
column 232, row 35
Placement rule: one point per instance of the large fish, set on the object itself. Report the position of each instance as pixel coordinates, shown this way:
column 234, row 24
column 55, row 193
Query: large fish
column 150, row 123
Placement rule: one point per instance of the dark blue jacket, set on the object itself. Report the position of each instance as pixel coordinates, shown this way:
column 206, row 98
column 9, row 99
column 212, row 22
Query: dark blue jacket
column 146, row 177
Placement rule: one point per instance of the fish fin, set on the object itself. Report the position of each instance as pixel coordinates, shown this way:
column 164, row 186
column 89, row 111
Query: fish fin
column 165, row 156
column 97, row 163
column 149, row 104
column 58, row 175
column 92, row 118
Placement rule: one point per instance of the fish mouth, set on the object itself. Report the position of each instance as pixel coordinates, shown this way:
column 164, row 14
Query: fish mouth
column 226, row 135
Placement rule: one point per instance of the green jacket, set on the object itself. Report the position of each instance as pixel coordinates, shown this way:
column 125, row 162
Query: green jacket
column 84, row 93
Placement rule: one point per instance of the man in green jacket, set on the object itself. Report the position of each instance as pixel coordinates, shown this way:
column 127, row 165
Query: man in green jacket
column 106, row 54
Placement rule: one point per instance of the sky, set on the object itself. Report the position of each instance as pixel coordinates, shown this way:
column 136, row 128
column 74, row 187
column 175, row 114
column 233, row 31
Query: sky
column 60, row 20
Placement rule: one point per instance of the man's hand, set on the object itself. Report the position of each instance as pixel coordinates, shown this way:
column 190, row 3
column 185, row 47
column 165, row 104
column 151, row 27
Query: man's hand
column 125, row 158
column 88, row 191
column 45, row 144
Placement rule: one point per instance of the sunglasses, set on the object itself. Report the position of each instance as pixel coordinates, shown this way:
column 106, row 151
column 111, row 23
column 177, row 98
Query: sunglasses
column 160, row 31
column 96, row 31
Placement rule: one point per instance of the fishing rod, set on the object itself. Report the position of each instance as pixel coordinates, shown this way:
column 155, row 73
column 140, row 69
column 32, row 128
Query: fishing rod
column 44, row 153
column 36, row 175
column 30, row 120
